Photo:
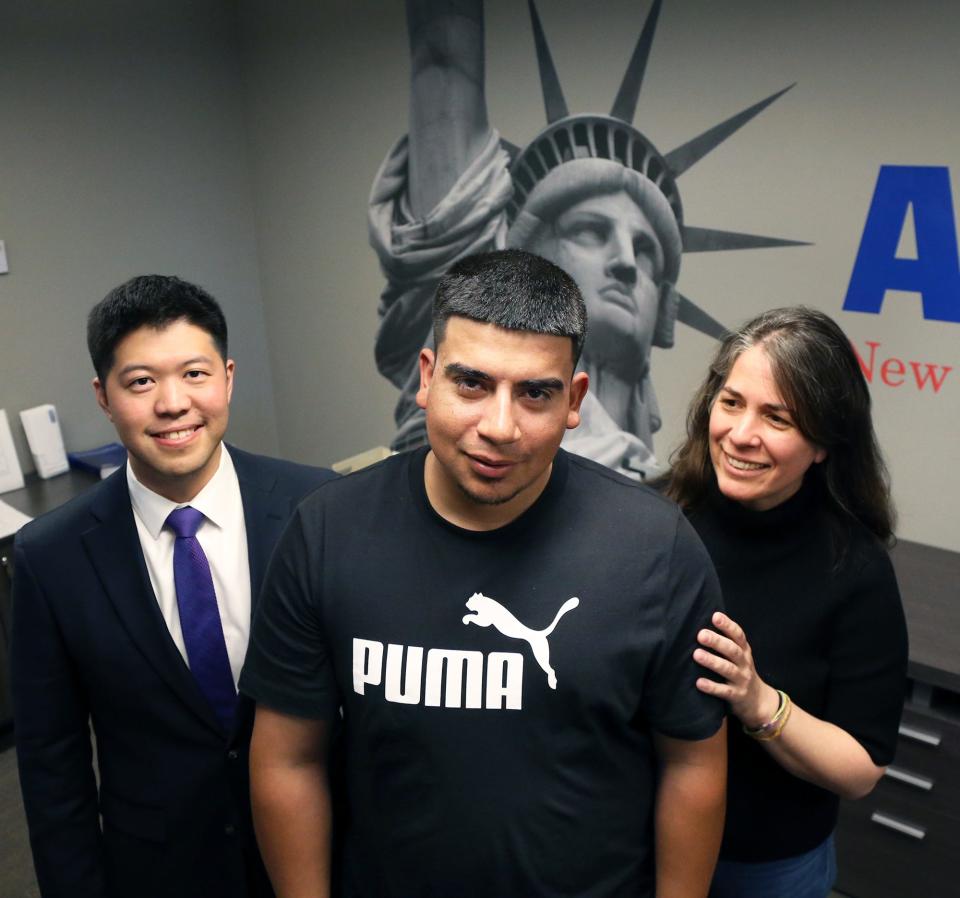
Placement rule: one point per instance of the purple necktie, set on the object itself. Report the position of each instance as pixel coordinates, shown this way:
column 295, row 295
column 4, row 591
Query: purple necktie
column 200, row 617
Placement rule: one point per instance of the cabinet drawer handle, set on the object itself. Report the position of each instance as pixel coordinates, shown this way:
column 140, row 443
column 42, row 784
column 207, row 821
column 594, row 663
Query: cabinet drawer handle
column 911, row 779
column 918, row 735
column 908, row 829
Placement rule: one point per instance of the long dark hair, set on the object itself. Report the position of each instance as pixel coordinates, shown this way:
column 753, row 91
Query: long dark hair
column 818, row 376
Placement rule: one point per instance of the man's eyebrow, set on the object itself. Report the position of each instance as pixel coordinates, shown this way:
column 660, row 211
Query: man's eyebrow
column 143, row 366
column 541, row 383
column 455, row 369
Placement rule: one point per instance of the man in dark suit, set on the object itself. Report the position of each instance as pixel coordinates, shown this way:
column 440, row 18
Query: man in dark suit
column 132, row 607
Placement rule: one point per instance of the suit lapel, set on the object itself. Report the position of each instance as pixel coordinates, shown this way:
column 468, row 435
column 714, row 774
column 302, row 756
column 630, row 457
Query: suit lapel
column 114, row 549
column 265, row 511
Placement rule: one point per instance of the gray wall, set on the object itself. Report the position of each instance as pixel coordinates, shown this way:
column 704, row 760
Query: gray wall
column 122, row 151
column 327, row 94
column 169, row 136
column 876, row 85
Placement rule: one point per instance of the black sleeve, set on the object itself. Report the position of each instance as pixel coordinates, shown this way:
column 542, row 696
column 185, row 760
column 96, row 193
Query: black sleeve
column 868, row 658
column 288, row 667
column 676, row 707
column 54, row 756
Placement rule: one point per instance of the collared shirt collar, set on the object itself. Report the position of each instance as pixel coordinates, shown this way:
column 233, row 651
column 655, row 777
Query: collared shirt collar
column 212, row 501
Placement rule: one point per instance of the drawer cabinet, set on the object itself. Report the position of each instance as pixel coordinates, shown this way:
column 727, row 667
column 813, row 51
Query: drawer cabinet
column 885, row 851
column 903, row 839
column 926, row 770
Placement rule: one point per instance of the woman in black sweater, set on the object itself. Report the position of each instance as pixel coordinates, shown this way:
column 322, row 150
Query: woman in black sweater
column 782, row 478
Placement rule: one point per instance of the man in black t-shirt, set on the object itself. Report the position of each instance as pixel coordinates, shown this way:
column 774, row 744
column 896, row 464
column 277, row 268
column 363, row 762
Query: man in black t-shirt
column 506, row 629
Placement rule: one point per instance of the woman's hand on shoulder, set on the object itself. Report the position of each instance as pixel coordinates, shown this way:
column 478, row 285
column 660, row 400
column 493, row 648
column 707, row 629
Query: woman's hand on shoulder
column 726, row 652
column 810, row 748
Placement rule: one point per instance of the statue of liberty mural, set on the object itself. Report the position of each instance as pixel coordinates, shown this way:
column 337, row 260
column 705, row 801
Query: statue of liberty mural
column 589, row 192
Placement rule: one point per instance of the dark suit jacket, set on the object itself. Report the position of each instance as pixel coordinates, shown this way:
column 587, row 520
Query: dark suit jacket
column 90, row 644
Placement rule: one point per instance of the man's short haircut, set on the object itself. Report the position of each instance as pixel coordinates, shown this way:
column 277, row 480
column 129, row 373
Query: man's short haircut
column 150, row 300
column 515, row 290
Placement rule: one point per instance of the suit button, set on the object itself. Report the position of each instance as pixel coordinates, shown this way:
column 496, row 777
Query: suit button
column 229, row 829
column 232, row 755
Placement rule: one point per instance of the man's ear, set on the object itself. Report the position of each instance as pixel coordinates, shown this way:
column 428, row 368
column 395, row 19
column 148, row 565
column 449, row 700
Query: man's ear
column 578, row 390
column 231, row 367
column 428, row 359
column 100, row 392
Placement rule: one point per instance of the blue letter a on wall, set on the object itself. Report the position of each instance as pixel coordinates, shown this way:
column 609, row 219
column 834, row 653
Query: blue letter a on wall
column 935, row 272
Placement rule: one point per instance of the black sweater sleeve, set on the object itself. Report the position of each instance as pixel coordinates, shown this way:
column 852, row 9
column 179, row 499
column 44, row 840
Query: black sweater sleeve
column 868, row 654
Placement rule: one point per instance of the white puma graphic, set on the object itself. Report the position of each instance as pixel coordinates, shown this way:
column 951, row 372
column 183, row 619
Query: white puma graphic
column 487, row 612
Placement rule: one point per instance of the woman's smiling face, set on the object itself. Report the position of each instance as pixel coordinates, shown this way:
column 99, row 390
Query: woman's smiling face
column 758, row 453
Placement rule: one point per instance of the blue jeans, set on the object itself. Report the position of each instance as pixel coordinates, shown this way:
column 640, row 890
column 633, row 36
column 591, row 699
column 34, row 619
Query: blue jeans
column 809, row 875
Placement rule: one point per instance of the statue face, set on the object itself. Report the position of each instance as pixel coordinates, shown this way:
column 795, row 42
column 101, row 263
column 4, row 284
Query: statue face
column 607, row 244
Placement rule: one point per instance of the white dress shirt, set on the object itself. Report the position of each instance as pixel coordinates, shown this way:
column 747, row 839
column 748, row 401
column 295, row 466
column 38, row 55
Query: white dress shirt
column 223, row 536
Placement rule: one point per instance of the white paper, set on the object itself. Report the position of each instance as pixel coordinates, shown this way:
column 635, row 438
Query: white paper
column 11, row 520
column 45, row 440
column 3, row 258
column 11, row 477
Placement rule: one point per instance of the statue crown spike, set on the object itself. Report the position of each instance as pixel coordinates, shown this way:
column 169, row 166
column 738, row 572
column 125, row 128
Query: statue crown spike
column 625, row 104
column 553, row 100
column 614, row 137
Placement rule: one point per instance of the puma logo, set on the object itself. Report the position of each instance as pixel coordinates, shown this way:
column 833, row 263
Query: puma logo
column 489, row 612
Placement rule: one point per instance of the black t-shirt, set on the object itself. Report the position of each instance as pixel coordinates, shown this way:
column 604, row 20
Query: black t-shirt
column 831, row 635
column 498, row 689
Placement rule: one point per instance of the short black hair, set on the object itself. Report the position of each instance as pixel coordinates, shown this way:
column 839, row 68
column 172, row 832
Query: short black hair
column 151, row 300
column 515, row 290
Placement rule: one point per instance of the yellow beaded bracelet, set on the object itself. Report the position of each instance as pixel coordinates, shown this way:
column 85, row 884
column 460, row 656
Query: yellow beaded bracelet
column 774, row 727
